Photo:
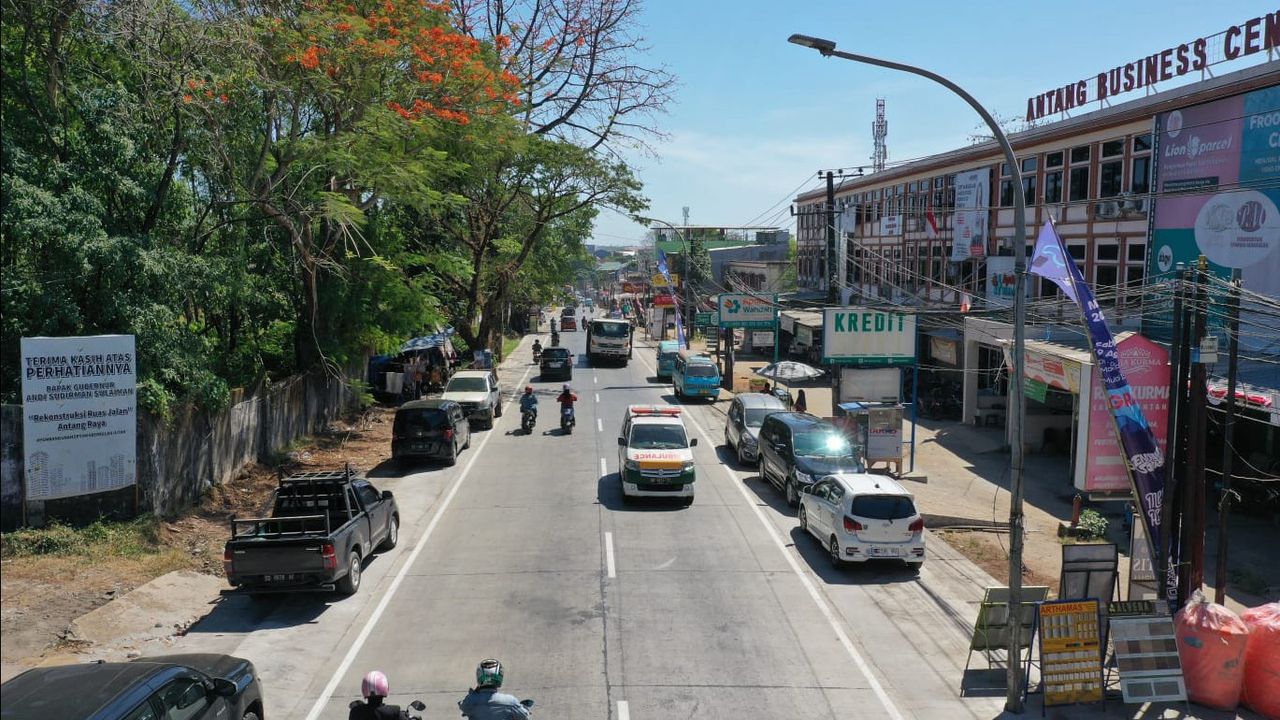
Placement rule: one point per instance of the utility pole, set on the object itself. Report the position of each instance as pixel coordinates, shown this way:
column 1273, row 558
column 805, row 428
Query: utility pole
column 1228, row 432
column 1195, row 438
column 1165, row 573
column 832, row 297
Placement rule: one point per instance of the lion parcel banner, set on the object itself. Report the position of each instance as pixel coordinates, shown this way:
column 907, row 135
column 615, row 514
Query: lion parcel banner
column 79, row 415
column 1146, row 462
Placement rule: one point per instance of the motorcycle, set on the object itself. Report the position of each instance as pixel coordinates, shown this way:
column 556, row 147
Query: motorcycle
column 526, row 702
column 537, row 355
column 527, row 420
column 555, row 339
column 567, row 419
column 416, row 705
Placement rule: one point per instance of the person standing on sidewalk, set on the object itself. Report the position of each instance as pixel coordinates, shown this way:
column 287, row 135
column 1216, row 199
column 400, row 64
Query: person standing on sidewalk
column 800, row 405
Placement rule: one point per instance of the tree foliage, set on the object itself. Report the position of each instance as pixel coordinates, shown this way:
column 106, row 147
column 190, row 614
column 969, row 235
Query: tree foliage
column 259, row 188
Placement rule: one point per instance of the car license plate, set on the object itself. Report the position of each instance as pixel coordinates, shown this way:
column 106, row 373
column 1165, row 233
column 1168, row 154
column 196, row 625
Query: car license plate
column 555, row 364
column 884, row 552
column 281, row 578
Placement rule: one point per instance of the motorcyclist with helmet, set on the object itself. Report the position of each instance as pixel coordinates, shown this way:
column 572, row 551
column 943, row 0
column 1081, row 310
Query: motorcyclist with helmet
column 375, row 689
column 485, row 702
column 537, row 349
column 567, row 398
column 529, row 404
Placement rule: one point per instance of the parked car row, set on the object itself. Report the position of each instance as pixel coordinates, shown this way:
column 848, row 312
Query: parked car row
column 440, row 427
column 856, row 515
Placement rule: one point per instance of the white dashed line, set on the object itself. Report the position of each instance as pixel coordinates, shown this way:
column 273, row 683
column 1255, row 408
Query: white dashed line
column 608, row 555
column 597, row 397
column 599, row 425
column 595, row 379
column 624, row 712
column 604, row 469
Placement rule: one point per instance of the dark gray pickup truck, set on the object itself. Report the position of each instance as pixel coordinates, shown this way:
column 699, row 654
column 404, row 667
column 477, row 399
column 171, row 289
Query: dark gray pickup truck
column 323, row 525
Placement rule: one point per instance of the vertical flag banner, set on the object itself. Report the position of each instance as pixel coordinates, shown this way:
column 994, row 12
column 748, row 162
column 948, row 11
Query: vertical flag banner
column 666, row 275
column 1146, row 463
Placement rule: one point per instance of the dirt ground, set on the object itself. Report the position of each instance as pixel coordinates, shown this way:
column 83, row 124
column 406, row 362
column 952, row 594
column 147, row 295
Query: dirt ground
column 40, row 595
column 990, row 551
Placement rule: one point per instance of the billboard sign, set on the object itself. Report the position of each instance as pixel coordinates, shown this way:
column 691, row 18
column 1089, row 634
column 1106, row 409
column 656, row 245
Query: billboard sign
column 659, row 281
column 891, row 225
column 1146, row 365
column 664, row 301
column 1001, row 281
column 867, row 337
column 741, row 310
column 79, row 415
column 973, row 194
column 1217, row 177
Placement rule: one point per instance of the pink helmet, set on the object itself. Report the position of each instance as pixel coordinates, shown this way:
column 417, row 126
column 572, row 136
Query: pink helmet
column 374, row 683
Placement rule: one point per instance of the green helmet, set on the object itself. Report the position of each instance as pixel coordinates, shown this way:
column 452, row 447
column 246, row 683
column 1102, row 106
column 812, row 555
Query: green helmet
column 489, row 673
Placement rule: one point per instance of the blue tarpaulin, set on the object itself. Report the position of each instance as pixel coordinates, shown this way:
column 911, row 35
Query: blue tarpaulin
column 427, row 341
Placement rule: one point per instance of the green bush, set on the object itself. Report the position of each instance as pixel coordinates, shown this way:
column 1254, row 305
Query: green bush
column 1092, row 525
column 103, row 538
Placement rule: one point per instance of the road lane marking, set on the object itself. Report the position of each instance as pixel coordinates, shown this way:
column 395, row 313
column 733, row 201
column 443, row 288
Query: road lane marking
column 597, row 397
column 595, row 379
column 608, row 555
column 624, row 712
column 604, row 469
column 599, row 425
column 826, row 610
column 350, row 657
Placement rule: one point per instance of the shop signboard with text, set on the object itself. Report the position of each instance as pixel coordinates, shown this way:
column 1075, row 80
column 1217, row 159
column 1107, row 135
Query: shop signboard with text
column 741, row 310
column 1217, row 177
column 664, row 301
column 79, row 415
column 1146, row 366
column 867, row 337
column 890, row 225
column 661, row 282
column 1001, row 281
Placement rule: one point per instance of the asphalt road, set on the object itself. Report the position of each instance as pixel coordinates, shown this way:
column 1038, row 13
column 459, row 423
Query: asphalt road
column 525, row 552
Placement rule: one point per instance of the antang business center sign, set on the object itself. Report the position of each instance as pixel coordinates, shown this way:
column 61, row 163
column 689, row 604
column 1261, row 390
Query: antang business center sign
column 1253, row 36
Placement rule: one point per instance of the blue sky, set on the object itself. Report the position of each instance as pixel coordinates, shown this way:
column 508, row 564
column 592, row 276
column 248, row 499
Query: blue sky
column 755, row 118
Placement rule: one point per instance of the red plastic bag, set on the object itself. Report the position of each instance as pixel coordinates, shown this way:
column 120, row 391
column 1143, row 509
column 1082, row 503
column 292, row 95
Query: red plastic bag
column 1211, row 644
column 1262, row 660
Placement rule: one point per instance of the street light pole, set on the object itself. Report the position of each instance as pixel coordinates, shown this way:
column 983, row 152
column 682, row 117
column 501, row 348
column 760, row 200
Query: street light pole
column 1013, row 693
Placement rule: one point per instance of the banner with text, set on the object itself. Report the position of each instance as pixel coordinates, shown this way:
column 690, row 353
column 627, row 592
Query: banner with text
column 1146, row 366
column 862, row 336
column 740, row 310
column 969, row 236
column 79, row 415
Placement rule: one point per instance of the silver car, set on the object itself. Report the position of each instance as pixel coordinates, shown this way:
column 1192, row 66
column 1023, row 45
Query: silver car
column 742, row 430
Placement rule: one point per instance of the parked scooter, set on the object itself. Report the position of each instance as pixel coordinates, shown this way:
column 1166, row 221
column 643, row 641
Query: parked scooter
column 567, row 419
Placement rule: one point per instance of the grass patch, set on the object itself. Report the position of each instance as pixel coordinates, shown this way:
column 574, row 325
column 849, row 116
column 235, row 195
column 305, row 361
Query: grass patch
column 102, row 539
column 508, row 345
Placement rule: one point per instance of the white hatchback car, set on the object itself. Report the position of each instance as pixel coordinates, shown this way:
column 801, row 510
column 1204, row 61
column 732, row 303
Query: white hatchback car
column 860, row 517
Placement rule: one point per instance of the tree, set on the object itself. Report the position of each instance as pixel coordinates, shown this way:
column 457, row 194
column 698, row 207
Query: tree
column 579, row 66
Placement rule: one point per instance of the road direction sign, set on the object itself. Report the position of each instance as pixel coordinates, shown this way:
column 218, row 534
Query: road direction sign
column 743, row 310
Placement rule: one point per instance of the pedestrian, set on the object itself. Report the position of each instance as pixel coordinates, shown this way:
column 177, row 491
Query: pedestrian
column 800, row 405
column 767, row 388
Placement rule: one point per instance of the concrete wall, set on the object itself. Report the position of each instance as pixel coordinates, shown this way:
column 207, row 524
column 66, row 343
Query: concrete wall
column 179, row 460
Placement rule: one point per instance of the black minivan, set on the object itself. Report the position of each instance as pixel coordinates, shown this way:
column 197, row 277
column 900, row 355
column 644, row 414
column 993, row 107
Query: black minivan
column 434, row 428
column 797, row 449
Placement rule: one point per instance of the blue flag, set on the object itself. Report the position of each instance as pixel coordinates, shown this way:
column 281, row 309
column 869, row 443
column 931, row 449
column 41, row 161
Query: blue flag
column 666, row 275
column 1146, row 463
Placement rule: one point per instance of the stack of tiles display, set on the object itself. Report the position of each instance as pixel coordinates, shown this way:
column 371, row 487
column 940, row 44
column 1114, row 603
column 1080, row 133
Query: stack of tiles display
column 1070, row 652
column 1146, row 650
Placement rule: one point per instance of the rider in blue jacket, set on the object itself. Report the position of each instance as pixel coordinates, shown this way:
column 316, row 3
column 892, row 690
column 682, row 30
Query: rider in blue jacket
column 485, row 702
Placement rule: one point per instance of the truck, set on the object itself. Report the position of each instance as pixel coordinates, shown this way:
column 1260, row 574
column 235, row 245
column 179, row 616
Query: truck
column 608, row 339
column 322, row 527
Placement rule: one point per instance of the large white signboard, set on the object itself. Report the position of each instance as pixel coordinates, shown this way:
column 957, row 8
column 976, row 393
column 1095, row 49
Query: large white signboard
column 741, row 310
column 969, row 237
column 862, row 336
column 79, row 415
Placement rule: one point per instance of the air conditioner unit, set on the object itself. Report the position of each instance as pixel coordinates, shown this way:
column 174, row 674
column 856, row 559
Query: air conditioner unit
column 1134, row 206
column 1107, row 209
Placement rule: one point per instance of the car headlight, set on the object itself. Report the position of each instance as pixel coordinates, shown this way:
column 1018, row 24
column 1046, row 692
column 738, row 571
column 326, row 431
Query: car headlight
column 688, row 465
column 748, row 440
column 803, row 478
column 631, row 464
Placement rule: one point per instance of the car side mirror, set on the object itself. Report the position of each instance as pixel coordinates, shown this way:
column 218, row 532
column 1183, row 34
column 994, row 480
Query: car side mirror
column 693, row 442
column 527, row 703
column 387, row 495
column 622, row 441
column 224, row 687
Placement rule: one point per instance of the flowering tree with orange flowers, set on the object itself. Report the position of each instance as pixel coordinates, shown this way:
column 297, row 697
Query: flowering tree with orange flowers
column 337, row 106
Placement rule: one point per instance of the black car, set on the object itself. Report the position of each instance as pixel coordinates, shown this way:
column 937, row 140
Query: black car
column 435, row 428
column 557, row 364
column 192, row 687
column 797, row 449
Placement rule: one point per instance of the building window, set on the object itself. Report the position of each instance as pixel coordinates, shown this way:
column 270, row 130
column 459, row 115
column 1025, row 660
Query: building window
column 1076, row 250
column 1029, row 189
column 1113, row 148
column 1079, row 186
column 1053, row 186
column 1136, row 252
column 1111, row 180
column 1053, row 159
column 1140, row 178
column 1141, row 142
column 1080, row 154
column 1104, row 276
column 1107, row 251
column 939, row 182
column 1006, row 192
column 1028, row 165
column 1133, row 275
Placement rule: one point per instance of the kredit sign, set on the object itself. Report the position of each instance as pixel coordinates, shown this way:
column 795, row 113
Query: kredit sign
column 868, row 338
column 1253, row 36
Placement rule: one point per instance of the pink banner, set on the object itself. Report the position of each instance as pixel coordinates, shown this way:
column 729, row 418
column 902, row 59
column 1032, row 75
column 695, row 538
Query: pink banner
column 1146, row 365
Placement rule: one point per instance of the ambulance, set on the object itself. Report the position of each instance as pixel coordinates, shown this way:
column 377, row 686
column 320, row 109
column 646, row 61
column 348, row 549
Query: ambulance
column 655, row 454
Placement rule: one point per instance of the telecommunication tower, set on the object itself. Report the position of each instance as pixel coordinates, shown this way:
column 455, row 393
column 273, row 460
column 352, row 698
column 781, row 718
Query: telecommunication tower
column 879, row 131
